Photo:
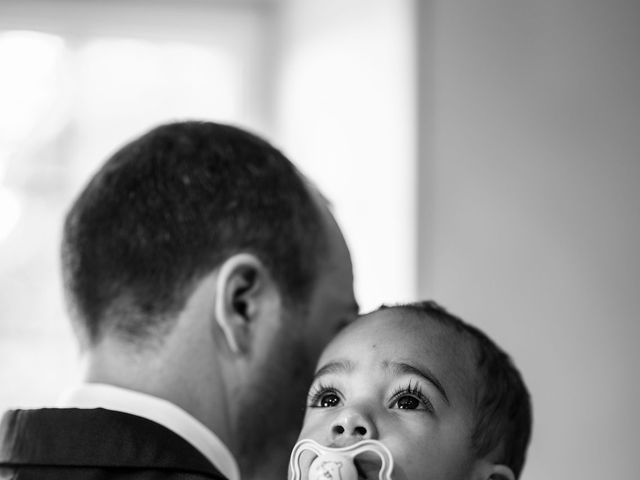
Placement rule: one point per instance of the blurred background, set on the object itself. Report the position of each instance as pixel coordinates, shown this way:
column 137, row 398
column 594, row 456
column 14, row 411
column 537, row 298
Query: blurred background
column 483, row 154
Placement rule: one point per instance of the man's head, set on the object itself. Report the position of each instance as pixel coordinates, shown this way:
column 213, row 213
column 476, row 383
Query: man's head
column 167, row 209
column 197, row 223
column 445, row 400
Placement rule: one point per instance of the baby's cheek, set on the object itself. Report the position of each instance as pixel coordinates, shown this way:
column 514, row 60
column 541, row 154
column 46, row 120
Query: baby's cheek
column 412, row 461
column 312, row 427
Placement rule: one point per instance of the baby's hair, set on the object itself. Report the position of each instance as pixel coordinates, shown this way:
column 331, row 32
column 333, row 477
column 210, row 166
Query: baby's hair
column 503, row 414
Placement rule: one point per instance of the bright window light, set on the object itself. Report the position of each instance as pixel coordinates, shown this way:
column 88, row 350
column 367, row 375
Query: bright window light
column 66, row 102
column 29, row 85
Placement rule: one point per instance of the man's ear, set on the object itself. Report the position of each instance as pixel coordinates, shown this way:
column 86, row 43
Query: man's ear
column 243, row 288
column 498, row 472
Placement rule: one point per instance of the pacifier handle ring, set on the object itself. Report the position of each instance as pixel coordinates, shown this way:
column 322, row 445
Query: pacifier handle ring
column 299, row 449
column 307, row 444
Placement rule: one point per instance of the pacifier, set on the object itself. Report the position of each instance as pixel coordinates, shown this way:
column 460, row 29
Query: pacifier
column 337, row 463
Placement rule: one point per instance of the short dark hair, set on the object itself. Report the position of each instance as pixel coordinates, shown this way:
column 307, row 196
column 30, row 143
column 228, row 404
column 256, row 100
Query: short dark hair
column 169, row 207
column 503, row 412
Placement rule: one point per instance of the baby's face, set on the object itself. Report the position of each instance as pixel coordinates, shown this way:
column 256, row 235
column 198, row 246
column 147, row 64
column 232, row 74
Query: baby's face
column 405, row 381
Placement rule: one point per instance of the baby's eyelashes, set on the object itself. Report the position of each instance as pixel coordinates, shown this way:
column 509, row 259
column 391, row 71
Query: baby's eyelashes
column 322, row 396
column 411, row 397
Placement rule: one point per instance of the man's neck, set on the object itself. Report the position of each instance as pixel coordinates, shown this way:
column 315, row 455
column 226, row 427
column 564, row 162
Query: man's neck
column 162, row 375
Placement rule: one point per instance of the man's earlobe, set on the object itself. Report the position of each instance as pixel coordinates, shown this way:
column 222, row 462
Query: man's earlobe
column 240, row 282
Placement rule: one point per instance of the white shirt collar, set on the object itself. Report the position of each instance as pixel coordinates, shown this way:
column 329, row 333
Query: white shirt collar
column 163, row 412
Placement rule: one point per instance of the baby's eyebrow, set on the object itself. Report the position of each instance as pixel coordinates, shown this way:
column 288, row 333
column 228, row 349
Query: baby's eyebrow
column 399, row 368
column 337, row 366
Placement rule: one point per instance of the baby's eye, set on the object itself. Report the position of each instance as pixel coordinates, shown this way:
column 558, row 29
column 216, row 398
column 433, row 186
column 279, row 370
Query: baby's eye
column 411, row 398
column 328, row 400
column 324, row 397
column 408, row 403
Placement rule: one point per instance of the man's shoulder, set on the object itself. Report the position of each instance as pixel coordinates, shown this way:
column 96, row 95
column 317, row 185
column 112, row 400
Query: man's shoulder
column 95, row 473
column 99, row 440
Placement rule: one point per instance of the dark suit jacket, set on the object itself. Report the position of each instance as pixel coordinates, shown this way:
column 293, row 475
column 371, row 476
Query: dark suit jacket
column 95, row 444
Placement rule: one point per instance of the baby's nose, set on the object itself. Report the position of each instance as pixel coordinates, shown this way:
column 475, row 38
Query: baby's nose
column 351, row 427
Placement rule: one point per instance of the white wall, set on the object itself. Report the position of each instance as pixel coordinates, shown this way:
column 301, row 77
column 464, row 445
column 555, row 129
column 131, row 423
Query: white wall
column 346, row 111
column 530, row 165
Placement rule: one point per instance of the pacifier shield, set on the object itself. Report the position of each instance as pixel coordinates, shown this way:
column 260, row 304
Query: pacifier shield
column 329, row 463
column 332, row 466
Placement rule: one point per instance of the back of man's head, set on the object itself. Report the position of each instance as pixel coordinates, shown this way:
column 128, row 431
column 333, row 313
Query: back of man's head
column 167, row 209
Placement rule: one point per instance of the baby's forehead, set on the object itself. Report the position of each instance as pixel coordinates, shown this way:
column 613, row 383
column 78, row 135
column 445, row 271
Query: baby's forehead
column 398, row 321
column 409, row 333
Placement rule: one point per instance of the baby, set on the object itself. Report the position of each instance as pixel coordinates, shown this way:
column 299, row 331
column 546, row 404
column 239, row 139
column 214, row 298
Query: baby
column 445, row 401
